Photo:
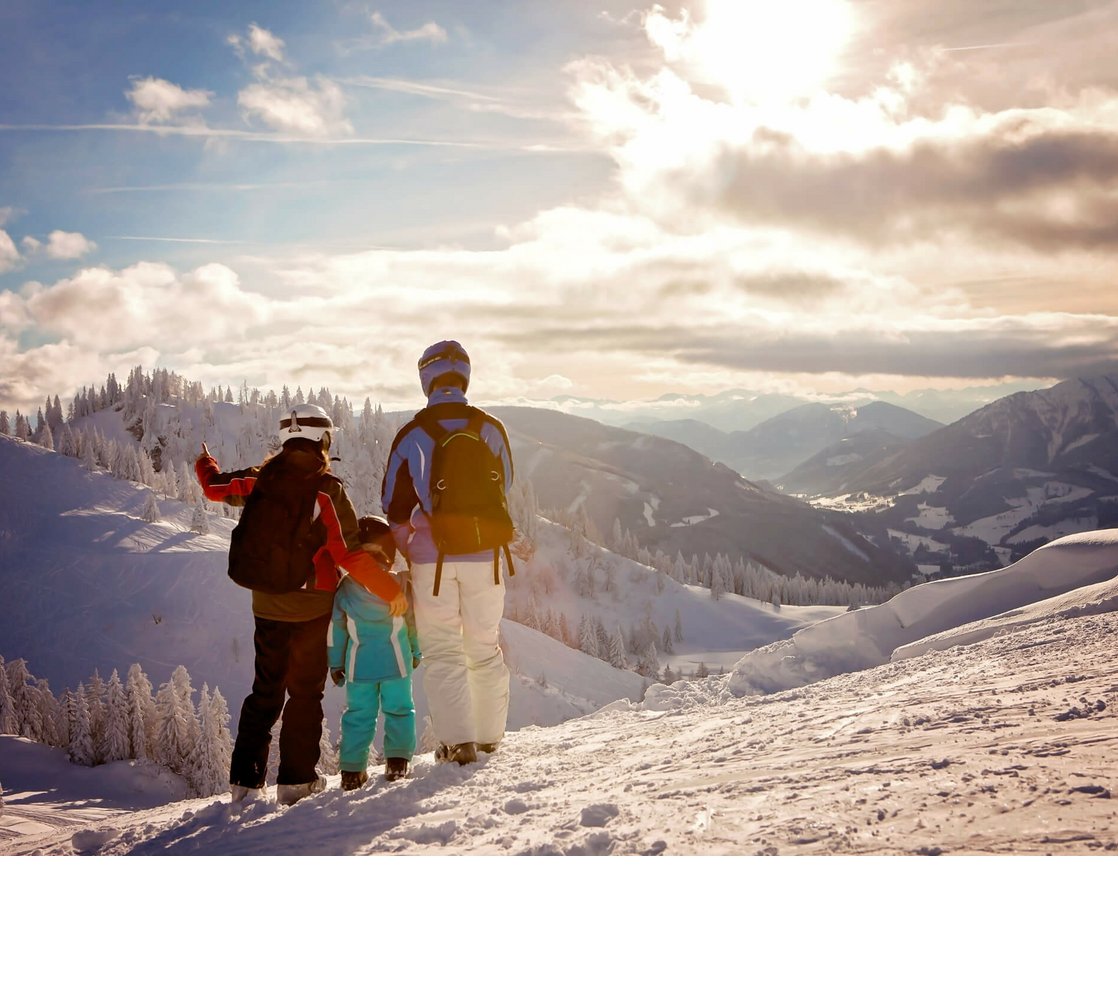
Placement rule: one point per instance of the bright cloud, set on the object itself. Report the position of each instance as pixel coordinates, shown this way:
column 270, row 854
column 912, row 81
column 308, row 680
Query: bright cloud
column 260, row 41
column 263, row 42
column 159, row 101
column 142, row 304
column 63, row 246
column 297, row 106
column 9, row 255
column 755, row 52
column 430, row 31
column 868, row 167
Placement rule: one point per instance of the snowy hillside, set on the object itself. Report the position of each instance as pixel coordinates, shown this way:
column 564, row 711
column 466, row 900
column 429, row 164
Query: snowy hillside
column 998, row 746
column 89, row 585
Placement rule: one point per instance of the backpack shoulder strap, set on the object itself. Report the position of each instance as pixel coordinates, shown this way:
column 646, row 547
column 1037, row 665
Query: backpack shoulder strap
column 407, row 429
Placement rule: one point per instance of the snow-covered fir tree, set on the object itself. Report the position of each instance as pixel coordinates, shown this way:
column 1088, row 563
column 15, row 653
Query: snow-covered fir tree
column 176, row 727
column 115, row 744
column 9, row 722
column 80, row 746
column 208, row 764
column 141, row 713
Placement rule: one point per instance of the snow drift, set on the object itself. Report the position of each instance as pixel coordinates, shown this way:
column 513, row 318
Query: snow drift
column 1078, row 571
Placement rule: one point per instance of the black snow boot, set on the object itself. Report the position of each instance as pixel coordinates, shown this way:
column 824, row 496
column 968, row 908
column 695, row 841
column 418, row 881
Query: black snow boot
column 395, row 768
column 354, row 780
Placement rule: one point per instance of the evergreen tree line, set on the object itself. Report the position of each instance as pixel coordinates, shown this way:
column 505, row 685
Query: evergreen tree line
column 109, row 721
column 720, row 575
column 170, row 418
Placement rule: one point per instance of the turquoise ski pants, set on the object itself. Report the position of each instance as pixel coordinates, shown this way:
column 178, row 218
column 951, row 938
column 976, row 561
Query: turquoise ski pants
column 359, row 721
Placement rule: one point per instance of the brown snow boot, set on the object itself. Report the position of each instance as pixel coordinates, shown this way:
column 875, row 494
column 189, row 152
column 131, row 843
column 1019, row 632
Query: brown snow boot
column 354, row 780
column 395, row 768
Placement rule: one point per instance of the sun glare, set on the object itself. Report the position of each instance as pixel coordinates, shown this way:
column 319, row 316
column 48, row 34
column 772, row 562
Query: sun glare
column 758, row 52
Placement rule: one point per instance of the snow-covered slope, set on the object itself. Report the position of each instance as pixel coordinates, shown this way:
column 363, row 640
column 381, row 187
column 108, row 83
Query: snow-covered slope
column 1073, row 574
column 87, row 585
column 1003, row 747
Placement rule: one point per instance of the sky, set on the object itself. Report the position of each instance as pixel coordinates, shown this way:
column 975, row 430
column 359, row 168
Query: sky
column 597, row 199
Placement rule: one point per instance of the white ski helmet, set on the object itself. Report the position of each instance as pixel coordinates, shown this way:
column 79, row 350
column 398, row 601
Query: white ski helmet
column 306, row 422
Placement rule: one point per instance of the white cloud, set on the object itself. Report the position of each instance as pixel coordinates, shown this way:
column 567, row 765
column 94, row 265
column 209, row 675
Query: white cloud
column 63, row 246
column 297, row 106
column 263, row 42
column 260, row 41
column 430, row 31
column 159, row 101
column 9, row 255
column 145, row 304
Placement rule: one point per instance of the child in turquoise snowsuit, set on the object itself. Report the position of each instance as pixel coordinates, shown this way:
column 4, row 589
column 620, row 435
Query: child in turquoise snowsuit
column 373, row 654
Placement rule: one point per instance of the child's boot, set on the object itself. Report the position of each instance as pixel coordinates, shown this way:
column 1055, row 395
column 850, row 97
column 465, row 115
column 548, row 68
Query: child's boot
column 395, row 768
column 354, row 780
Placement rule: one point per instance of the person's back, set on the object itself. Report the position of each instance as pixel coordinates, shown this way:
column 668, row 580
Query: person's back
column 459, row 597
column 369, row 643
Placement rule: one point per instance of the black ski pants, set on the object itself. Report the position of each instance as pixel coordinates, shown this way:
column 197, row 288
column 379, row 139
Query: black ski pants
column 290, row 661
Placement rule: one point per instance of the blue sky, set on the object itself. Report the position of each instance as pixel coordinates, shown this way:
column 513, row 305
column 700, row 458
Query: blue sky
column 596, row 198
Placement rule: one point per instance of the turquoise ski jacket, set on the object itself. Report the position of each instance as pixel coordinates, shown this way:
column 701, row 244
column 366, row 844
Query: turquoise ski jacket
column 366, row 641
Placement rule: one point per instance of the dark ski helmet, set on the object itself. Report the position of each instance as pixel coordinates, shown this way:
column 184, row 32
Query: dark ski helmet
column 374, row 530
column 447, row 357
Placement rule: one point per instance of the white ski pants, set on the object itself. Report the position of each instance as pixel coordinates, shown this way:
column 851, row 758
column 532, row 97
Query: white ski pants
column 464, row 673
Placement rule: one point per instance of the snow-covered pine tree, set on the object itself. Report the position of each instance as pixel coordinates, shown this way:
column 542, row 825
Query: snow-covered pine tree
column 175, row 728
column 80, row 747
column 95, row 701
column 5, row 425
column 9, row 722
column 180, row 678
column 115, row 746
column 141, row 713
column 616, row 656
column 327, row 753
column 18, row 689
column 33, row 726
column 200, row 520
column 151, row 509
column 587, row 638
column 208, row 767
column 49, row 715
column 64, row 702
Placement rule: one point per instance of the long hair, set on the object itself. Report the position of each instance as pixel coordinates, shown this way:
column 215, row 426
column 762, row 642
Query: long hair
column 311, row 446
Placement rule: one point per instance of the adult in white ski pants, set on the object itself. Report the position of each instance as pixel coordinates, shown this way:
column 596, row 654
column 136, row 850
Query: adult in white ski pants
column 465, row 678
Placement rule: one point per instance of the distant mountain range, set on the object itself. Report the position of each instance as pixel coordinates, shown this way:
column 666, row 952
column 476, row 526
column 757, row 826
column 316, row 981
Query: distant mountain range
column 1013, row 475
column 675, row 499
column 740, row 409
column 778, row 444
